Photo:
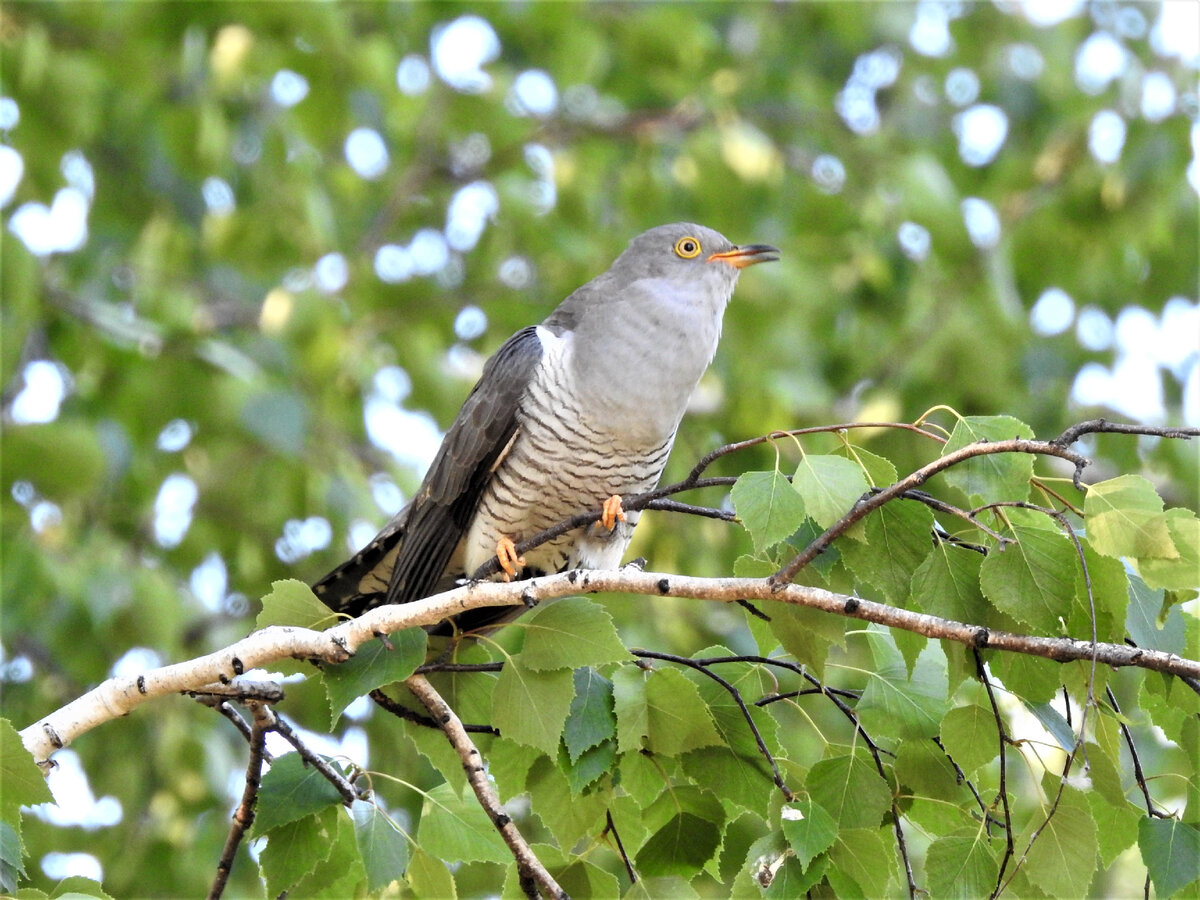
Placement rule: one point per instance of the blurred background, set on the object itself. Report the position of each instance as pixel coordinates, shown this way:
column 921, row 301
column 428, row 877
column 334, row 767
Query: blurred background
column 254, row 255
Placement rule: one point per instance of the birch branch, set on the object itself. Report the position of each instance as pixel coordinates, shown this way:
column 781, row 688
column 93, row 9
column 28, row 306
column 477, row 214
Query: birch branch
column 119, row 696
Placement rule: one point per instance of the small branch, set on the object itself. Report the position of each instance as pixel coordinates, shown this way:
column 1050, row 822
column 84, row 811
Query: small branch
column 872, row 502
column 703, row 667
column 1138, row 775
column 611, row 826
column 348, row 791
column 243, row 817
column 1002, row 735
column 1103, row 426
column 400, row 711
column 532, row 873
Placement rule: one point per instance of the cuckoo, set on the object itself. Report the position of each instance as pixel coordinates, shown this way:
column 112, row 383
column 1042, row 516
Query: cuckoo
column 568, row 415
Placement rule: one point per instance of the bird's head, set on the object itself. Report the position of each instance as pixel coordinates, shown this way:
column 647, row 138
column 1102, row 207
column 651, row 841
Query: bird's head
column 688, row 252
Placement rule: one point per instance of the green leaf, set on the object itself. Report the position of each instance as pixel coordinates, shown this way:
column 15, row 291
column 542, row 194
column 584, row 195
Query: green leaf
column 807, row 634
column 1116, row 826
column 969, row 736
column 591, row 764
column 383, row 847
column 657, row 888
column 1063, row 858
column 1171, row 851
column 735, row 762
column 924, row 771
column 591, row 718
column 879, row 471
column 73, row 887
column 1032, row 678
column 1125, row 517
column 531, row 707
column 569, row 633
column 629, row 704
column 456, row 829
column 897, row 543
column 291, row 790
column 1055, row 723
column 829, row 486
column 1146, row 623
column 961, row 864
column 680, row 847
column 791, row 880
column 809, row 828
column 746, row 781
column 900, row 706
column 641, row 778
column 293, row 603
column 677, row 718
column 509, row 764
column 294, row 850
column 851, row 790
column 568, row 816
column 429, row 877
column 1176, row 574
column 1033, row 580
column 767, row 506
column 993, row 476
column 21, row 781
column 373, row 666
column 861, row 854
column 946, row 584
column 12, row 861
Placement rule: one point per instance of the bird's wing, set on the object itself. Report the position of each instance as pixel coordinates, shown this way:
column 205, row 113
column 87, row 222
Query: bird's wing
column 408, row 558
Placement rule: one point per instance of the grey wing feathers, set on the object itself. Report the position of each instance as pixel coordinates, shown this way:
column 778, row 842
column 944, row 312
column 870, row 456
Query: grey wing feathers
column 429, row 529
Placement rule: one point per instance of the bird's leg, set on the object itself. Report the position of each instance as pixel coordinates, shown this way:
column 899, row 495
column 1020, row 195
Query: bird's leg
column 612, row 512
column 506, row 553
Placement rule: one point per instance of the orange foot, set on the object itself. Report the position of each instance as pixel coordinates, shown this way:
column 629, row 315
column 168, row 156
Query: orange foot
column 506, row 553
column 612, row 512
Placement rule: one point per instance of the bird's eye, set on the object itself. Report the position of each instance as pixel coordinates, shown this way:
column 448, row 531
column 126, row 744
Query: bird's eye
column 687, row 248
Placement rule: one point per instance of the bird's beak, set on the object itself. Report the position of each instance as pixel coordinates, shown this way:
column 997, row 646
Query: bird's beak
column 749, row 255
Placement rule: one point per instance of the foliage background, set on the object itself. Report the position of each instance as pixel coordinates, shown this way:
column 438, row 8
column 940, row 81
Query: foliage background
column 183, row 307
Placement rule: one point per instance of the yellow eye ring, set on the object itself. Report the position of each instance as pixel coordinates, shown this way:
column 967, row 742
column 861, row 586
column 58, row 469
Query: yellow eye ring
column 687, row 248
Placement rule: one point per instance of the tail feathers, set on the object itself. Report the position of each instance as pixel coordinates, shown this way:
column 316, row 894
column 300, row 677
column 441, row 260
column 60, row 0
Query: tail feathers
column 361, row 582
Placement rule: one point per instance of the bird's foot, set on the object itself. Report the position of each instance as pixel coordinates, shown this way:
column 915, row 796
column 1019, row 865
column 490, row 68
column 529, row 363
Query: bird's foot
column 506, row 554
column 636, row 565
column 612, row 512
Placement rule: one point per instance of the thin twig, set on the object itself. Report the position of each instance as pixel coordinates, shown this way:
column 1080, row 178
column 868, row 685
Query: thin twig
column 1103, row 426
column 1002, row 736
column 400, row 711
column 702, row 667
column 611, row 826
column 1138, row 775
column 872, row 502
column 243, row 816
column 348, row 791
column 532, row 873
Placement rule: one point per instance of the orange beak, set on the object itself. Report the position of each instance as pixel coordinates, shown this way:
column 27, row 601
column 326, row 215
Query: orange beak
column 749, row 255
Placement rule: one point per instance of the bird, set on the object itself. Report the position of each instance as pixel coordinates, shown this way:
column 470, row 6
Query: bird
column 567, row 416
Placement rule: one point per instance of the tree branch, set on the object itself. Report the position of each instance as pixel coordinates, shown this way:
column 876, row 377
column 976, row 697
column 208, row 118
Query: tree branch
column 873, row 501
column 119, row 696
column 532, row 873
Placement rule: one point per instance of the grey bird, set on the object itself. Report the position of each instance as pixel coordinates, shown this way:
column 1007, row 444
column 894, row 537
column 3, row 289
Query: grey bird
column 567, row 416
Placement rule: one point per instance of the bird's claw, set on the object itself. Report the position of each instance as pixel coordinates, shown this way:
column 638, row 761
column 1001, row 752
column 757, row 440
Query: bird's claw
column 506, row 555
column 611, row 512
